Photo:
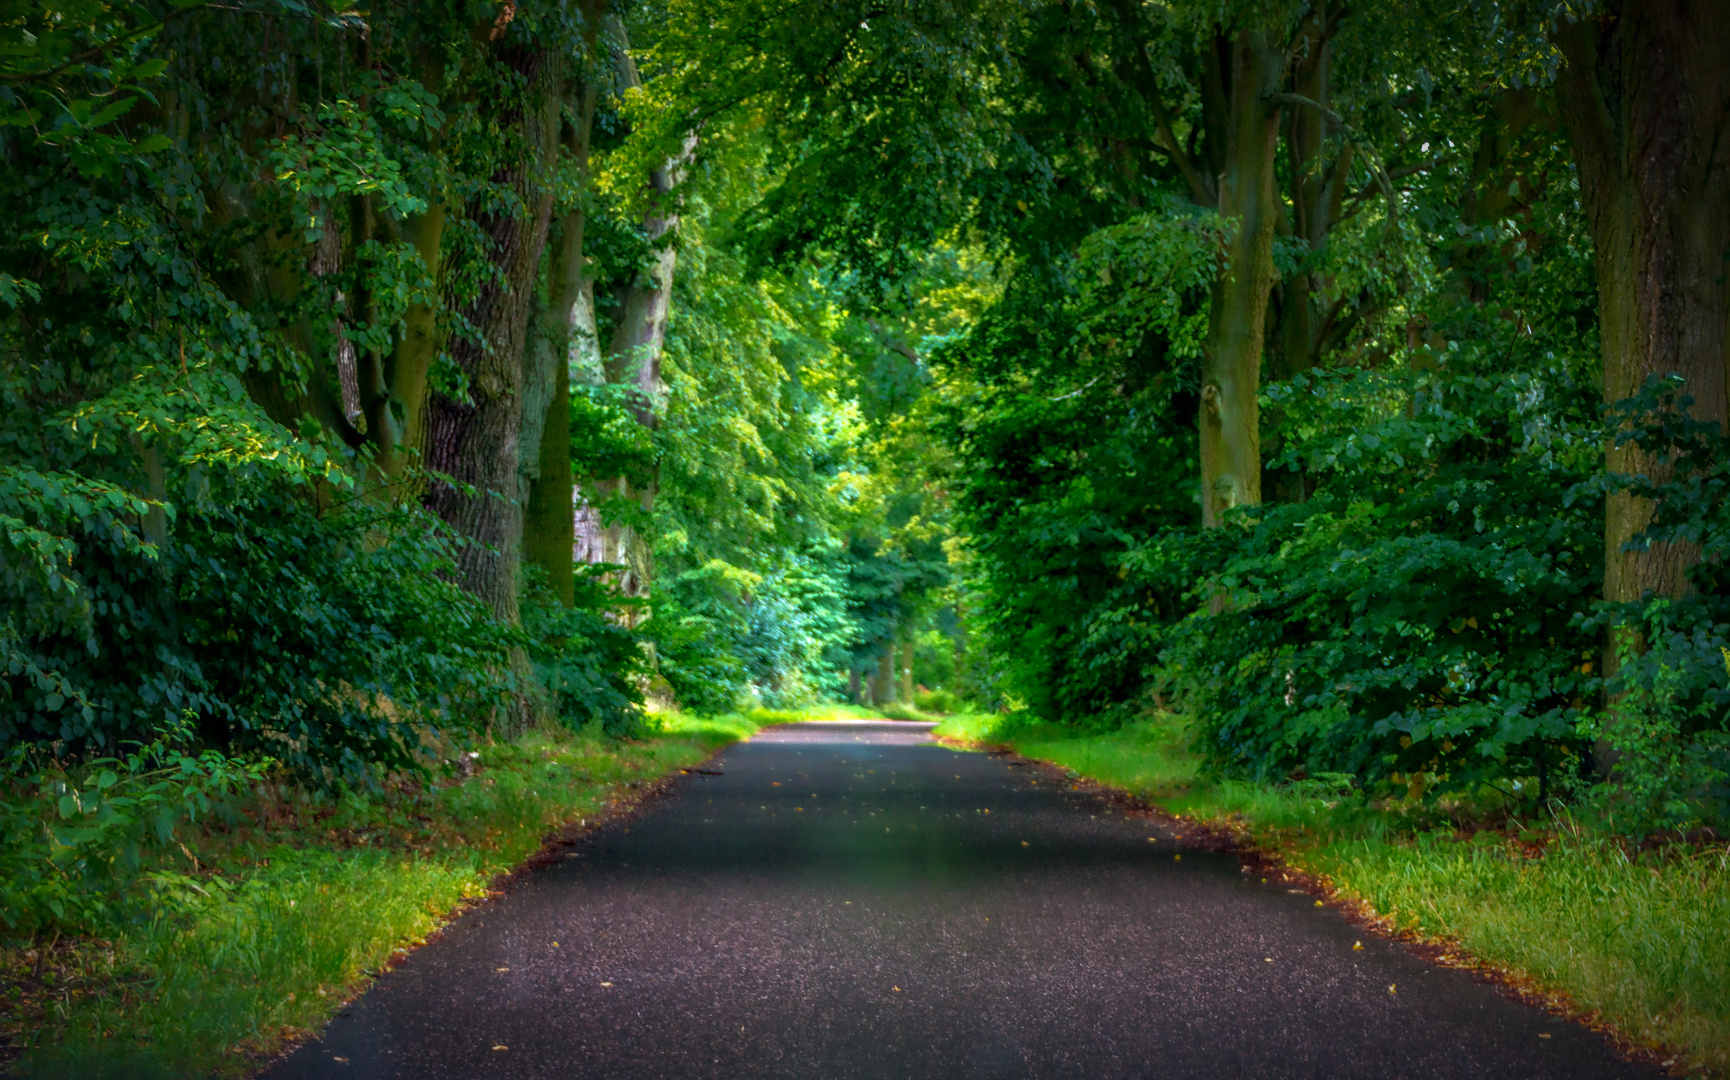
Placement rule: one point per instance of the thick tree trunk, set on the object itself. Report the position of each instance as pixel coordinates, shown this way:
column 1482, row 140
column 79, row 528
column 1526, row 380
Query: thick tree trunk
column 1242, row 75
column 1646, row 99
column 1645, row 96
column 475, row 441
column 883, row 682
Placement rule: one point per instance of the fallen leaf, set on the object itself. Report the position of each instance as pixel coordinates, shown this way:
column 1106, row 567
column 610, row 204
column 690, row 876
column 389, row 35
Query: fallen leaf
column 345, row 1060
column 606, row 984
column 1177, row 858
column 1357, row 946
column 897, row 989
column 1390, row 988
column 1545, row 1035
column 501, row 969
column 1318, row 903
column 501, row 1046
column 1024, row 843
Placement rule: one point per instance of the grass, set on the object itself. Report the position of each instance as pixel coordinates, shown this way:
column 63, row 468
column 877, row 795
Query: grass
column 292, row 909
column 1639, row 938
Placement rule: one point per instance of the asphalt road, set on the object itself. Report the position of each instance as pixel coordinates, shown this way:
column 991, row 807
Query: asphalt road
column 852, row 900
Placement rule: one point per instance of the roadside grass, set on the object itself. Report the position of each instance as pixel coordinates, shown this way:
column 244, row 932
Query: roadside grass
column 292, row 910
column 1639, row 937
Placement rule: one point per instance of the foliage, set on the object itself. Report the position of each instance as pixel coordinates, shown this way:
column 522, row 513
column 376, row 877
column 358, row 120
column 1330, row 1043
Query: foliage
column 1670, row 722
column 1418, row 614
column 73, row 850
column 588, row 660
column 299, row 899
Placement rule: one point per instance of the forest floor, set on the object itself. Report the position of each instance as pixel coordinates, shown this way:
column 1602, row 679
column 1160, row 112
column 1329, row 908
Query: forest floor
column 1634, row 941
column 297, row 905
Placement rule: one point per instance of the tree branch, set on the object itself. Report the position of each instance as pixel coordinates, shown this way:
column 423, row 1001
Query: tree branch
column 97, row 50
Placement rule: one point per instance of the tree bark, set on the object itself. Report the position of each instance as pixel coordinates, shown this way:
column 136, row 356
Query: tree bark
column 1646, row 100
column 1317, row 194
column 549, row 517
column 883, row 682
column 1240, row 76
column 634, row 360
column 475, row 441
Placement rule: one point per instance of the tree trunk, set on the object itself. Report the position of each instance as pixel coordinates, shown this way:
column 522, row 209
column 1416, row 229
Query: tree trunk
column 883, row 684
column 1242, row 137
column 1646, row 99
column 549, row 528
column 1317, row 190
column 634, row 359
column 549, row 518
column 475, row 441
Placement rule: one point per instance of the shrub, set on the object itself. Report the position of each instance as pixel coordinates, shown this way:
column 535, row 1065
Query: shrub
column 940, row 702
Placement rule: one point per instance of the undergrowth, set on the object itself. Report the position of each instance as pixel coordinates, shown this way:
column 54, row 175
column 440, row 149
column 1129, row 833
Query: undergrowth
column 288, row 909
column 1639, row 934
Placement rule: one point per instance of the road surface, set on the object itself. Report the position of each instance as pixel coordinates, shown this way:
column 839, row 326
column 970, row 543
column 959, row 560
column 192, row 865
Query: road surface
column 853, row 900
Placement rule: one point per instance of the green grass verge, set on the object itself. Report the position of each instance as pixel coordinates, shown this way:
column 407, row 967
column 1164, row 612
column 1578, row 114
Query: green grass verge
column 292, row 909
column 1640, row 938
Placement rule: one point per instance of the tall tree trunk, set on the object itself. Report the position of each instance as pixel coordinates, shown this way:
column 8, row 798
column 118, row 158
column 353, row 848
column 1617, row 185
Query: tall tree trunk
column 549, row 516
column 634, row 357
column 1317, row 194
column 475, row 441
column 883, row 682
column 1306, row 323
column 1645, row 97
column 1241, row 76
column 549, row 527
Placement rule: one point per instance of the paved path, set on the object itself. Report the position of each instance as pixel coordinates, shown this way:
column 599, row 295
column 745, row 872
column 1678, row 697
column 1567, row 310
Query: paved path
column 851, row 900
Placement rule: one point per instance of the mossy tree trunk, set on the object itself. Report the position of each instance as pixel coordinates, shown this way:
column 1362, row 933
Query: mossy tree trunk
column 1241, row 74
column 549, row 522
column 1645, row 97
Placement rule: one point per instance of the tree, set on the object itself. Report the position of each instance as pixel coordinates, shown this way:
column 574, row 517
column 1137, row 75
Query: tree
column 1645, row 97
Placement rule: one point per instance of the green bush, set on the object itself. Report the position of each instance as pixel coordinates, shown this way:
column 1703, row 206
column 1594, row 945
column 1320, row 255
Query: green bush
column 75, row 840
column 939, row 702
column 590, row 664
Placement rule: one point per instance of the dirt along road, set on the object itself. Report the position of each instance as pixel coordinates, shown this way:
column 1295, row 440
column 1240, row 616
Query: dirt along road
column 853, row 900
